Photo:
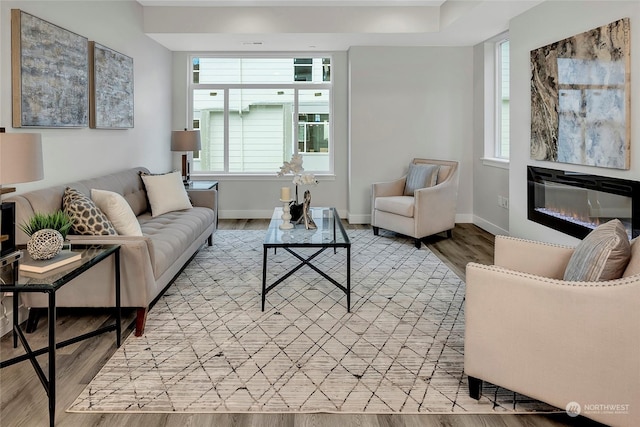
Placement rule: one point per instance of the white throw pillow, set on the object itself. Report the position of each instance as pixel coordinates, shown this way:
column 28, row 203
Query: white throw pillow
column 116, row 208
column 166, row 193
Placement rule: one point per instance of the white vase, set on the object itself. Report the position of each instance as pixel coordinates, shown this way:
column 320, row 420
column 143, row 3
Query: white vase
column 45, row 244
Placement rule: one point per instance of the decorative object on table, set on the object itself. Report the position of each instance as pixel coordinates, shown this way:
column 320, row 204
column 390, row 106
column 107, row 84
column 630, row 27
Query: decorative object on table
column 306, row 215
column 299, row 178
column 47, row 233
column 286, row 216
column 580, row 98
column 285, row 198
column 111, row 88
column 64, row 257
column 42, row 98
column 20, row 161
column 185, row 141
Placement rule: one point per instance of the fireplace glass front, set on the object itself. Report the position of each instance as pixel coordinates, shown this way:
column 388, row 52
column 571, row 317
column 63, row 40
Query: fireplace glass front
column 577, row 203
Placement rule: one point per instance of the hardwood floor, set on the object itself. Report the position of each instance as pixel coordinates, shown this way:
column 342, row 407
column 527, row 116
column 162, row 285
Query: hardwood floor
column 23, row 401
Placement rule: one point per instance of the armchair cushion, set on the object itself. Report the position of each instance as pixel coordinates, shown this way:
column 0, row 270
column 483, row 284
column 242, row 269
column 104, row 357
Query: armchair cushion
column 602, row 255
column 399, row 205
column 420, row 176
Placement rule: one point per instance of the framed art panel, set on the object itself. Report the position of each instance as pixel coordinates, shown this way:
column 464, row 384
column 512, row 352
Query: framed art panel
column 111, row 88
column 49, row 74
column 580, row 98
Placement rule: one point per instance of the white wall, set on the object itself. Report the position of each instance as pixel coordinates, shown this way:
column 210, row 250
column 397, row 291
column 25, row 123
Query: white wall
column 71, row 154
column 407, row 102
column 547, row 23
column 255, row 197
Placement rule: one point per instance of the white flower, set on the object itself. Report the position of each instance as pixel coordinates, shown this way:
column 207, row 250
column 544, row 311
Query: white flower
column 294, row 166
column 305, row 178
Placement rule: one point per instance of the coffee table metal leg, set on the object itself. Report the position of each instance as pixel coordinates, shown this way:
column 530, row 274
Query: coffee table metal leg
column 348, row 279
column 264, row 276
column 52, row 358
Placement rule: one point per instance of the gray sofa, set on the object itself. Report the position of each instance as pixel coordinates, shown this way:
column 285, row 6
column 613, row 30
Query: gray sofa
column 148, row 263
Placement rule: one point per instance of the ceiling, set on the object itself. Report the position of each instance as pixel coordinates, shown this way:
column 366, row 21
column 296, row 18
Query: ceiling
column 328, row 25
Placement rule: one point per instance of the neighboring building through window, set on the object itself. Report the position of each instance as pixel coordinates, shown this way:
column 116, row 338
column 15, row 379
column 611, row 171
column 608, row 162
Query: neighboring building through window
column 502, row 100
column 255, row 112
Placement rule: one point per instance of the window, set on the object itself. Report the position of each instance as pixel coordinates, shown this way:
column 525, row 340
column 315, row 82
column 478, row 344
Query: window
column 254, row 113
column 502, row 100
column 496, row 107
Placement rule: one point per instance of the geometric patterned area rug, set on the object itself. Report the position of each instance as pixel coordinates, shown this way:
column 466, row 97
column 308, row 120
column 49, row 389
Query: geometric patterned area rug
column 208, row 347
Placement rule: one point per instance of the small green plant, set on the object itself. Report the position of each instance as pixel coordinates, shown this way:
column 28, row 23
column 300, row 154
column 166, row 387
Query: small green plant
column 58, row 221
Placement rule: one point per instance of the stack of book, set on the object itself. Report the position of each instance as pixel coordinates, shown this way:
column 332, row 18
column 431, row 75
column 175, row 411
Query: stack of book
column 63, row 258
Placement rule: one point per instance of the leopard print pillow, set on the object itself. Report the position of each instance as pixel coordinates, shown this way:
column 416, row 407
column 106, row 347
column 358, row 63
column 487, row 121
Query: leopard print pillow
column 86, row 217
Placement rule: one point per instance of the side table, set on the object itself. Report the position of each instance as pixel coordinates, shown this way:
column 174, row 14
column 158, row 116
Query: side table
column 49, row 283
column 204, row 186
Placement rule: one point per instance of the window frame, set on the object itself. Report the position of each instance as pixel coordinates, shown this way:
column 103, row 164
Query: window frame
column 493, row 102
column 295, row 85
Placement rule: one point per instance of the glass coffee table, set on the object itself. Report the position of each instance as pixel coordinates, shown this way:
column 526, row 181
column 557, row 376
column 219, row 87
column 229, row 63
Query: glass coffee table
column 330, row 234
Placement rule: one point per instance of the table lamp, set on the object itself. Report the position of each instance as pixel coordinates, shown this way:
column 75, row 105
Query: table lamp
column 20, row 161
column 185, row 140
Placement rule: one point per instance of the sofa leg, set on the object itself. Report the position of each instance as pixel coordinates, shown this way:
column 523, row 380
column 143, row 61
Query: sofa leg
column 418, row 243
column 32, row 320
column 210, row 240
column 475, row 388
column 141, row 319
column 449, row 233
column 376, row 231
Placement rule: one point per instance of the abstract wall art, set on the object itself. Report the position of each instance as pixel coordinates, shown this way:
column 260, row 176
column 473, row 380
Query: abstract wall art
column 49, row 74
column 111, row 88
column 580, row 98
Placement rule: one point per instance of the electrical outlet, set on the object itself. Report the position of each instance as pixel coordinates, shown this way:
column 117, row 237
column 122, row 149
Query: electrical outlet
column 503, row 202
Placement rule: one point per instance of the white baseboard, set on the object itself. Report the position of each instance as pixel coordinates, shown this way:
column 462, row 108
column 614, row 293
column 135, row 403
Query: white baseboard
column 490, row 227
column 359, row 219
column 366, row 218
column 255, row 214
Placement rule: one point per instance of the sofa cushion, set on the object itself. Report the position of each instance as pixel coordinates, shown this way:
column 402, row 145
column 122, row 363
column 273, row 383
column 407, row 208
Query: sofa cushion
column 86, row 217
column 399, row 205
column 166, row 193
column 116, row 208
column 602, row 255
column 172, row 232
column 420, row 176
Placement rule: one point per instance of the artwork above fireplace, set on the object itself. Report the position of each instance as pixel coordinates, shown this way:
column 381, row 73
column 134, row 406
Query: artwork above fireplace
column 575, row 203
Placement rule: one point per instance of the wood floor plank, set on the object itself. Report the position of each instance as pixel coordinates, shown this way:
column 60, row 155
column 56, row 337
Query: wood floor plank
column 23, row 401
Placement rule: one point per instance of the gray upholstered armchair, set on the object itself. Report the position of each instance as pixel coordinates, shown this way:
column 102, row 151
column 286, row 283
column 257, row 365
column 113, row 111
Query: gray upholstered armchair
column 415, row 208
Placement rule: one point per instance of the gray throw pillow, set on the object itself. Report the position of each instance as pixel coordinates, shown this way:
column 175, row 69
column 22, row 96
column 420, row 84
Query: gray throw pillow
column 86, row 217
column 420, row 176
column 602, row 255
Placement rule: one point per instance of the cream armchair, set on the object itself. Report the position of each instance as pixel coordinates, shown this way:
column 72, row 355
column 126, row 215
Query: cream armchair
column 553, row 340
column 429, row 211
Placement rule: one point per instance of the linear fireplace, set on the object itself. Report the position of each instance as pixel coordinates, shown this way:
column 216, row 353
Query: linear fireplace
column 575, row 203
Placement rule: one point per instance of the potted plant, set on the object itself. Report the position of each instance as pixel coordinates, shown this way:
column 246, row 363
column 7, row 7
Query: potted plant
column 47, row 232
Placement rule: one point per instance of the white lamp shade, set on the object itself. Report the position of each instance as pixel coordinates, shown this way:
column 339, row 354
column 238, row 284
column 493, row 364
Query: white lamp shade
column 185, row 140
column 20, row 158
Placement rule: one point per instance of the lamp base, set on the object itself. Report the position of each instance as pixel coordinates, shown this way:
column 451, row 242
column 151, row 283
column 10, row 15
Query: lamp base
column 7, row 228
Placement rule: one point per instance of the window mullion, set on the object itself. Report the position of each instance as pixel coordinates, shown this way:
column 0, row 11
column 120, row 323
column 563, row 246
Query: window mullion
column 226, row 130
